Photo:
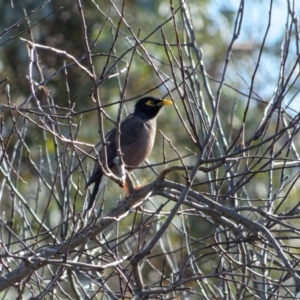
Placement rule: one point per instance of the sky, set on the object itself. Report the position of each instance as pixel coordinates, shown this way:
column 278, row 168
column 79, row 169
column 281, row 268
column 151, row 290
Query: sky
column 255, row 22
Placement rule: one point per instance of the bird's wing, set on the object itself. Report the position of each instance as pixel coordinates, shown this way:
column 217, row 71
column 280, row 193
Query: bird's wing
column 131, row 129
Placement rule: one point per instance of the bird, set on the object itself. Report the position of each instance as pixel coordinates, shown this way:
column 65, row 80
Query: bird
column 137, row 136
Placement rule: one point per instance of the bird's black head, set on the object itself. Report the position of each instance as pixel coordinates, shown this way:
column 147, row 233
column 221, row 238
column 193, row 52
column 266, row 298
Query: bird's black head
column 149, row 107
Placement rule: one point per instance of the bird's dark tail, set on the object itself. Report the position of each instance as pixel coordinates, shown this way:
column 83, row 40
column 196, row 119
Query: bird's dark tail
column 94, row 194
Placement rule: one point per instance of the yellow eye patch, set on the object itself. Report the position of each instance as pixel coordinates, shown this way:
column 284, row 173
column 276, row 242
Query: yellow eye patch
column 150, row 103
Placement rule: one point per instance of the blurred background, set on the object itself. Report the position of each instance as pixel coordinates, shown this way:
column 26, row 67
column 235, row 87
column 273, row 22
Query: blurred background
column 245, row 56
column 57, row 24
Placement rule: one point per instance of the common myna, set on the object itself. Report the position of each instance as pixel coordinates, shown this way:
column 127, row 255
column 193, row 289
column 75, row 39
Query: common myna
column 136, row 141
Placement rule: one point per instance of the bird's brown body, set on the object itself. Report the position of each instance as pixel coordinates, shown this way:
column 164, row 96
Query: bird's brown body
column 137, row 136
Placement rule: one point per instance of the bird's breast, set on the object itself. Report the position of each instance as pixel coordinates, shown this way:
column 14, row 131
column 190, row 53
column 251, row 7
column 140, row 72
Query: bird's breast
column 140, row 149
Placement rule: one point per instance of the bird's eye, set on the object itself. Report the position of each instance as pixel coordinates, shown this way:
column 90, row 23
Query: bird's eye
column 150, row 103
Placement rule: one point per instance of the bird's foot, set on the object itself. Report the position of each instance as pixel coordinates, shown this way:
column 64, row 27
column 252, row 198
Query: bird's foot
column 125, row 188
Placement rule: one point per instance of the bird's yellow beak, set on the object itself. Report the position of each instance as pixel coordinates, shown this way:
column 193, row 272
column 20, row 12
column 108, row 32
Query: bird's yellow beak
column 167, row 102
